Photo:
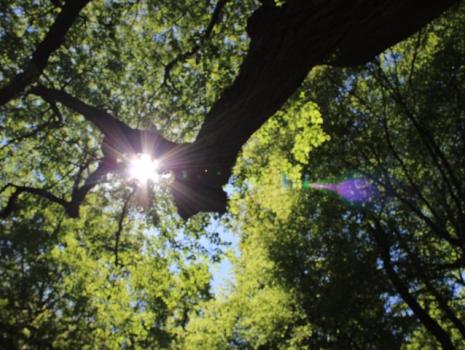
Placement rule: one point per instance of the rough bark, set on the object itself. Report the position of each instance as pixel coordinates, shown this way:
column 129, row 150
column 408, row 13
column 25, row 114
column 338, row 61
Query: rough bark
column 286, row 42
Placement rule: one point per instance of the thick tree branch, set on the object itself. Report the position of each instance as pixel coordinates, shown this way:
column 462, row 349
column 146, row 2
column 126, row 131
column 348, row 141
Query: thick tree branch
column 120, row 139
column 286, row 42
column 101, row 119
column 11, row 202
column 52, row 41
column 198, row 184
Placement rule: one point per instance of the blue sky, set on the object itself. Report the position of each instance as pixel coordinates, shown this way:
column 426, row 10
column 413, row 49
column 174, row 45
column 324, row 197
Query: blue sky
column 222, row 273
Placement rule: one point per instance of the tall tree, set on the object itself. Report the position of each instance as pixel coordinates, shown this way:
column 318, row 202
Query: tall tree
column 286, row 41
column 340, row 272
column 88, row 85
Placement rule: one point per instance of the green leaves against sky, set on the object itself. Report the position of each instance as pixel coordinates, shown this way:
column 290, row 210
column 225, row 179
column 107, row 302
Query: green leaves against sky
column 311, row 271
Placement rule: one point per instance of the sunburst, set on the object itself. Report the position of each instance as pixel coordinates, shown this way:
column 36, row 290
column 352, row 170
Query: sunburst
column 144, row 168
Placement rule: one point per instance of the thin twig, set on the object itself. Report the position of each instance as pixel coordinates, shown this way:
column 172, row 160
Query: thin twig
column 122, row 216
column 214, row 19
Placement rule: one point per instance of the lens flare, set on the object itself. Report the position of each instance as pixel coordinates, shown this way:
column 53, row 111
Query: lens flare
column 356, row 190
column 143, row 168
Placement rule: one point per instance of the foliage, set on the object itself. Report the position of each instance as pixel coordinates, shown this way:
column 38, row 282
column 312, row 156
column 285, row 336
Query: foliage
column 120, row 276
column 313, row 272
column 322, row 261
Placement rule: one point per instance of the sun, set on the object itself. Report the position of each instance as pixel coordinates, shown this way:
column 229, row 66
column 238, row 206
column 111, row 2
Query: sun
column 143, row 168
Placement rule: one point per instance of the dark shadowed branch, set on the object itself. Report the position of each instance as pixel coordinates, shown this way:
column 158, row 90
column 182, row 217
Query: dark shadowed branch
column 18, row 190
column 77, row 196
column 100, row 118
column 286, row 42
column 120, row 139
column 51, row 42
column 428, row 322
column 198, row 181
column 124, row 213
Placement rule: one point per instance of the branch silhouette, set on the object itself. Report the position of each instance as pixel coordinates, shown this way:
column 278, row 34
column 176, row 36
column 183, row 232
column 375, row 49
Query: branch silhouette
column 286, row 43
column 52, row 41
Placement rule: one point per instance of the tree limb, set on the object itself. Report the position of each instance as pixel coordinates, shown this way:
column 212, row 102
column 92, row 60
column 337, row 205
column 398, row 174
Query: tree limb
column 120, row 139
column 11, row 202
column 52, row 41
column 428, row 322
column 78, row 194
column 198, row 182
column 286, row 42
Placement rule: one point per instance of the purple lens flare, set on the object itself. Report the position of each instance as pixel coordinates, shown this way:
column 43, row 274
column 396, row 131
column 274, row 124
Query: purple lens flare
column 357, row 190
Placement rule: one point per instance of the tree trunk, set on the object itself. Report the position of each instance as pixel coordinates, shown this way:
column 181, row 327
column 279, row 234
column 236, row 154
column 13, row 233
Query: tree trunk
column 286, row 42
column 422, row 315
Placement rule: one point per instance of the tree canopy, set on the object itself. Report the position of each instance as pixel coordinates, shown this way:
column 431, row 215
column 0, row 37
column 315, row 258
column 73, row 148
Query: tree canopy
column 343, row 157
column 283, row 48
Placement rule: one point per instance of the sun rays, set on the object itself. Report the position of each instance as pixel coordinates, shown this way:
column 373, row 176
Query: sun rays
column 144, row 169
